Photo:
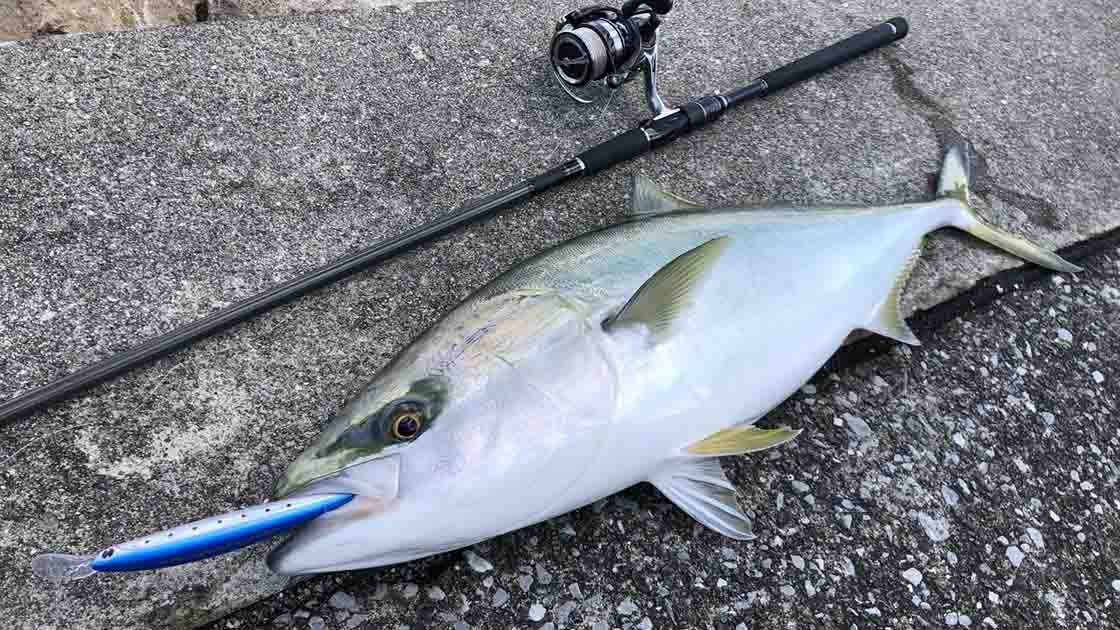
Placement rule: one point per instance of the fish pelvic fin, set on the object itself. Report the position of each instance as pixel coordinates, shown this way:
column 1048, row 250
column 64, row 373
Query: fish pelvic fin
column 699, row 487
column 741, row 439
column 648, row 199
column 887, row 319
column 659, row 303
column 954, row 182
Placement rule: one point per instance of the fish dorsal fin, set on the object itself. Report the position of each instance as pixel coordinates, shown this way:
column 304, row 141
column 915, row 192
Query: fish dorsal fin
column 648, row 199
column 699, row 487
column 742, row 439
column 887, row 319
column 659, row 302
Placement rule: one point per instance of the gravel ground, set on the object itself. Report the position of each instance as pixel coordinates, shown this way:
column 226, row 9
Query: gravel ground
column 972, row 481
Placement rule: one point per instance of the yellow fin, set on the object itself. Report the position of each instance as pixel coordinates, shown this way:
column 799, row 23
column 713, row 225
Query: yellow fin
column 742, row 439
column 954, row 182
column 648, row 199
column 660, row 301
column 887, row 320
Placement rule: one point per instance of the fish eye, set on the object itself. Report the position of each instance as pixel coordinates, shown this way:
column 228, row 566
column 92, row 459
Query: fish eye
column 407, row 423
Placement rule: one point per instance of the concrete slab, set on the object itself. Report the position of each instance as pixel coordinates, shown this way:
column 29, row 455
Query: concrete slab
column 149, row 178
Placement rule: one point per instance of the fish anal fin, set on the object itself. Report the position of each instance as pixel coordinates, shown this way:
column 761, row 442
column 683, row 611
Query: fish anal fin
column 742, row 439
column 659, row 302
column 648, row 199
column 887, row 319
column 699, row 487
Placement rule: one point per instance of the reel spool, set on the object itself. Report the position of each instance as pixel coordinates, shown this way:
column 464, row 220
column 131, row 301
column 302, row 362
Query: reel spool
column 599, row 48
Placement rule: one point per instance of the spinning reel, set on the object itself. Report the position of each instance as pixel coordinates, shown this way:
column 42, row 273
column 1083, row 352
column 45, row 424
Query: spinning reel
column 599, row 48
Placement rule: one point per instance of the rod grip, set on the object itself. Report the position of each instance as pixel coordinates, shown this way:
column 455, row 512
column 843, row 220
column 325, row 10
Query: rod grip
column 836, row 54
column 618, row 149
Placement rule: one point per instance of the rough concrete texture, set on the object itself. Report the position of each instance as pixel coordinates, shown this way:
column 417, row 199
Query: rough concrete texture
column 149, row 178
column 969, row 482
column 222, row 9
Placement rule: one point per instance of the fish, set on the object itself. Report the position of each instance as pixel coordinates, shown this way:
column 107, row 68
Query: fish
column 194, row 541
column 643, row 352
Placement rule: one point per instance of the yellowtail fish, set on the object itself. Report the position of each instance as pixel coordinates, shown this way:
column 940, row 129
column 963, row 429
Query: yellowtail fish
column 642, row 352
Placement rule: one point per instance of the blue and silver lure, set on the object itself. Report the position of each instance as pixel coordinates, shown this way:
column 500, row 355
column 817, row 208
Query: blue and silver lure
column 194, row 541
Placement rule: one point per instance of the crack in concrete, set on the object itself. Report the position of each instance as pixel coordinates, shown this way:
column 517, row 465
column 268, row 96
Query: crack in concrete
column 940, row 120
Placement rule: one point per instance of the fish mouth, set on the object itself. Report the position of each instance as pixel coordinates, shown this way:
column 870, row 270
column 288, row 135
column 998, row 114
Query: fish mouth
column 374, row 483
column 375, row 478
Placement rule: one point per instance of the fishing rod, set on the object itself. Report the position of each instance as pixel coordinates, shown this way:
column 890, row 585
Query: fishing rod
column 596, row 46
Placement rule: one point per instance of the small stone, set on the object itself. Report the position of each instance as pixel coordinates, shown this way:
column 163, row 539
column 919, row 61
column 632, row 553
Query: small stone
column 644, row 624
column 410, row 590
column 436, row 594
column 574, row 589
column 949, row 495
column 788, row 590
column 1015, row 555
column 1116, row 585
column 858, row 426
column 286, row 620
column 525, row 581
column 994, row 598
column 951, row 619
column 302, row 614
column 564, row 611
column 964, row 620
column 627, row 607
column 1065, row 335
column 536, row 612
column 543, row 576
column 810, row 590
column 500, row 598
column 912, row 576
column 1098, row 378
column 873, row 611
column 798, row 562
column 936, row 528
column 720, row 583
column 343, row 601
column 951, row 558
column 1036, row 538
column 800, row 487
column 567, row 530
column 317, row 623
column 488, row 582
column 477, row 562
column 846, row 520
column 809, row 388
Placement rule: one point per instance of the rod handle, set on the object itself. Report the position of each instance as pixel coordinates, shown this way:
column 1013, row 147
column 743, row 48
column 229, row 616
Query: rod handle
column 836, row 54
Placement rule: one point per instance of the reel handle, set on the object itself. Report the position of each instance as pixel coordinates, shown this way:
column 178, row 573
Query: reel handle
column 660, row 7
column 836, row 54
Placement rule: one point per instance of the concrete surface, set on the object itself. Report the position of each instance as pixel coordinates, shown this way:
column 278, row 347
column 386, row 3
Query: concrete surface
column 972, row 482
column 224, row 9
column 149, row 178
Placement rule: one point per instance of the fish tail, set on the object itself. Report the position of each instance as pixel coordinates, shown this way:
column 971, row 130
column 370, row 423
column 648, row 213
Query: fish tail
column 954, row 182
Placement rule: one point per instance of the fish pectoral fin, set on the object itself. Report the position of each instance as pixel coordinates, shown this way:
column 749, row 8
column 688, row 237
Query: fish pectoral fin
column 648, row 199
column 659, row 302
column 887, row 320
column 699, row 487
column 742, row 439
